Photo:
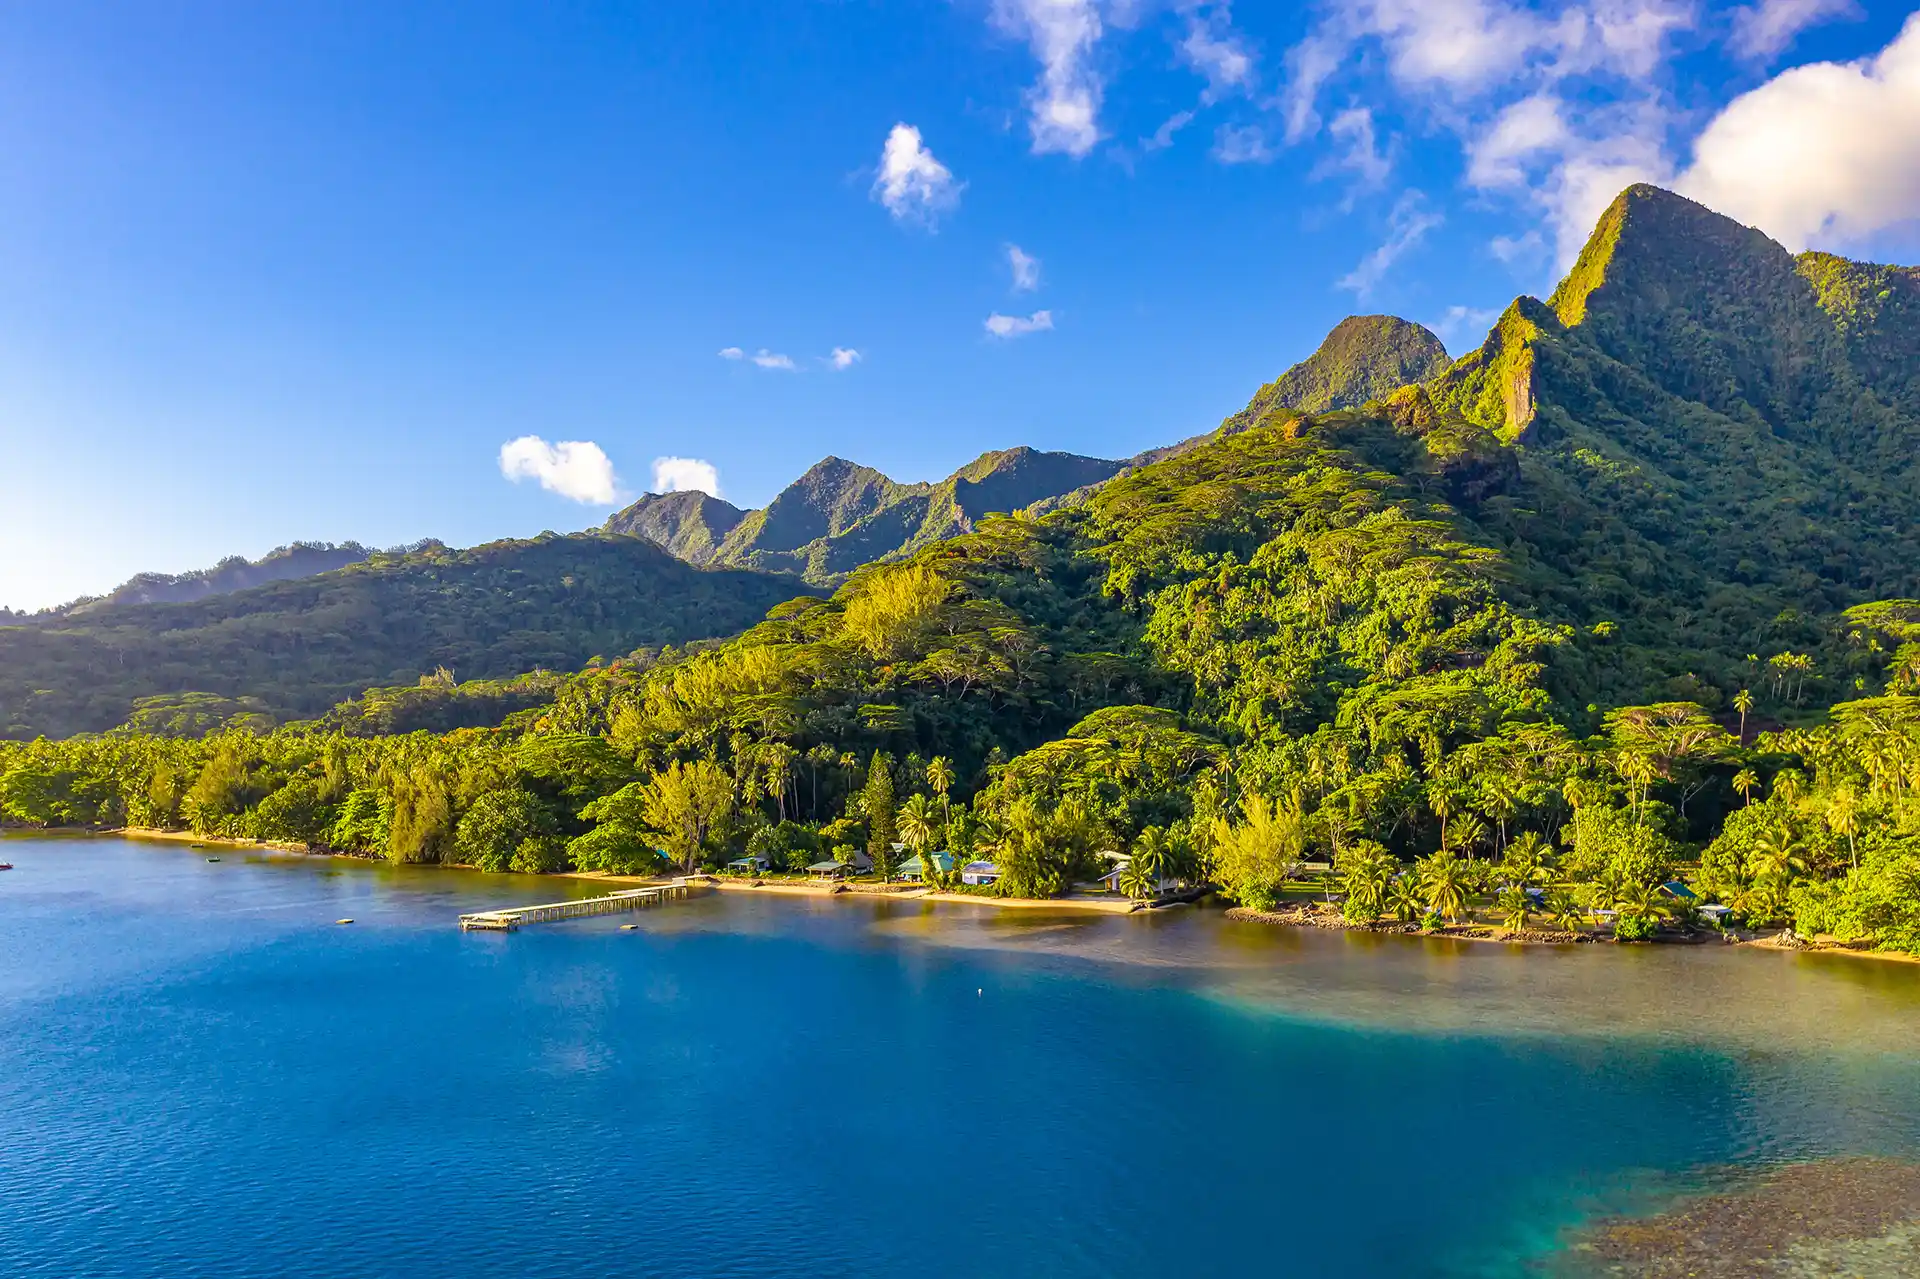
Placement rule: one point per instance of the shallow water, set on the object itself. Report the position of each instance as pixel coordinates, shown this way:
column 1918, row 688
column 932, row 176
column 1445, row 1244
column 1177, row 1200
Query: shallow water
column 201, row 1075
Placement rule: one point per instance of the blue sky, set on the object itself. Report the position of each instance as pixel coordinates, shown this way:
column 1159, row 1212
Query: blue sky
column 300, row 271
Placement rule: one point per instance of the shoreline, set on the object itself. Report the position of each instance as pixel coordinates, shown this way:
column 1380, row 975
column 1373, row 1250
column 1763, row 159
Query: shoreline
column 1298, row 915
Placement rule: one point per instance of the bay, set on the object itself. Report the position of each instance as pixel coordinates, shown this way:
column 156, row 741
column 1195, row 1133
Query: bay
column 201, row 1074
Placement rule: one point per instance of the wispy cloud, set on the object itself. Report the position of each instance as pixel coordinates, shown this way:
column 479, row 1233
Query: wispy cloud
column 911, row 184
column 1765, row 30
column 1361, row 153
column 1406, row 227
column 774, row 360
column 1212, row 48
column 844, row 357
column 1025, row 268
column 732, row 353
column 576, row 469
column 684, row 474
column 1013, row 326
column 1241, row 144
column 1063, row 109
column 1463, row 322
column 1163, row 136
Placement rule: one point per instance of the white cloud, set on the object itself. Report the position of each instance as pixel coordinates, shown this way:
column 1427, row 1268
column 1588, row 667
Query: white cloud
column 1310, row 64
column 1013, row 326
column 1407, row 225
column 844, row 357
column 1025, row 268
column 913, row 185
column 1462, row 322
column 1521, row 133
column 1063, row 109
column 1241, row 144
column 1163, row 136
column 732, row 353
column 1827, row 151
column 685, row 474
column 774, row 360
column 1765, row 30
column 1363, row 156
column 576, row 469
column 1213, row 49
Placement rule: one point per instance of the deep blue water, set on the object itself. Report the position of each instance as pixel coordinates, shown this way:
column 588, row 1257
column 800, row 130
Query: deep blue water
column 201, row 1075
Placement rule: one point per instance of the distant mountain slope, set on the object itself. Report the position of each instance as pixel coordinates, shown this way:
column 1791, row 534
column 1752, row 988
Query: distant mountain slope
column 840, row 515
column 235, row 573
column 300, row 646
column 1365, row 357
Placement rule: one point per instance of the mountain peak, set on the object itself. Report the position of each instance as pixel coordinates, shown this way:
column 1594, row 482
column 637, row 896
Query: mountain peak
column 1364, row 357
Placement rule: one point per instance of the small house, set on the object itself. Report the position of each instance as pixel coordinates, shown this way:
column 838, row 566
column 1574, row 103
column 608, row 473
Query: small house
column 1677, row 891
column 751, row 864
column 914, row 867
column 829, row 869
column 979, row 873
column 1717, row 915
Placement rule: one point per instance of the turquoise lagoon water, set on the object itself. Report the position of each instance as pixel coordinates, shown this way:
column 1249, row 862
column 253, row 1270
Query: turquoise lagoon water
column 200, row 1075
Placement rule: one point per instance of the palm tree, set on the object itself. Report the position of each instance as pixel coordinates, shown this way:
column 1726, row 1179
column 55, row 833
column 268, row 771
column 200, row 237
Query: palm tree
column 1404, row 898
column 1468, row 830
column 1743, row 702
column 1499, row 799
column 940, row 778
column 1137, row 880
column 1775, row 857
column 1746, row 782
column 918, row 824
column 1567, row 911
column 1365, row 875
column 1526, row 859
column 1443, row 879
column 1633, row 900
column 1440, row 799
column 1515, row 907
column 1843, row 818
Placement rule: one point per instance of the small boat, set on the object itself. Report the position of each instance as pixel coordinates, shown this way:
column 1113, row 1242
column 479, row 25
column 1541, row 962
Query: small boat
column 6, row 865
column 627, row 928
column 213, row 859
column 343, row 921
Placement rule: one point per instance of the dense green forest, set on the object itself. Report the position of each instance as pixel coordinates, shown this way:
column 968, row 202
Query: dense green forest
column 1624, row 595
column 298, row 647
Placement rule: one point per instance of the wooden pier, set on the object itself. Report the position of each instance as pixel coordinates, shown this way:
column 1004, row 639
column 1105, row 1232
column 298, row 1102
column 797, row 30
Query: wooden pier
column 505, row 921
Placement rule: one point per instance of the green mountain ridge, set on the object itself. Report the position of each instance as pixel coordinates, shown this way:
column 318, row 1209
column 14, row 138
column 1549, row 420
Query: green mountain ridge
column 300, row 646
column 1703, row 457
column 841, row 515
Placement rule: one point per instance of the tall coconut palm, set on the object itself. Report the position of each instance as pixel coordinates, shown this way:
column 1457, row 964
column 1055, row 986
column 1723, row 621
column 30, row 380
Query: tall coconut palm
column 1746, row 782
column 918, row 825
column 1743, row 702
column 940, row 778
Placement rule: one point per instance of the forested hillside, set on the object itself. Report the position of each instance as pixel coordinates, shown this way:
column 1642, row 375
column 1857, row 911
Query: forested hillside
column 1626, row 594
column 297, row 647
